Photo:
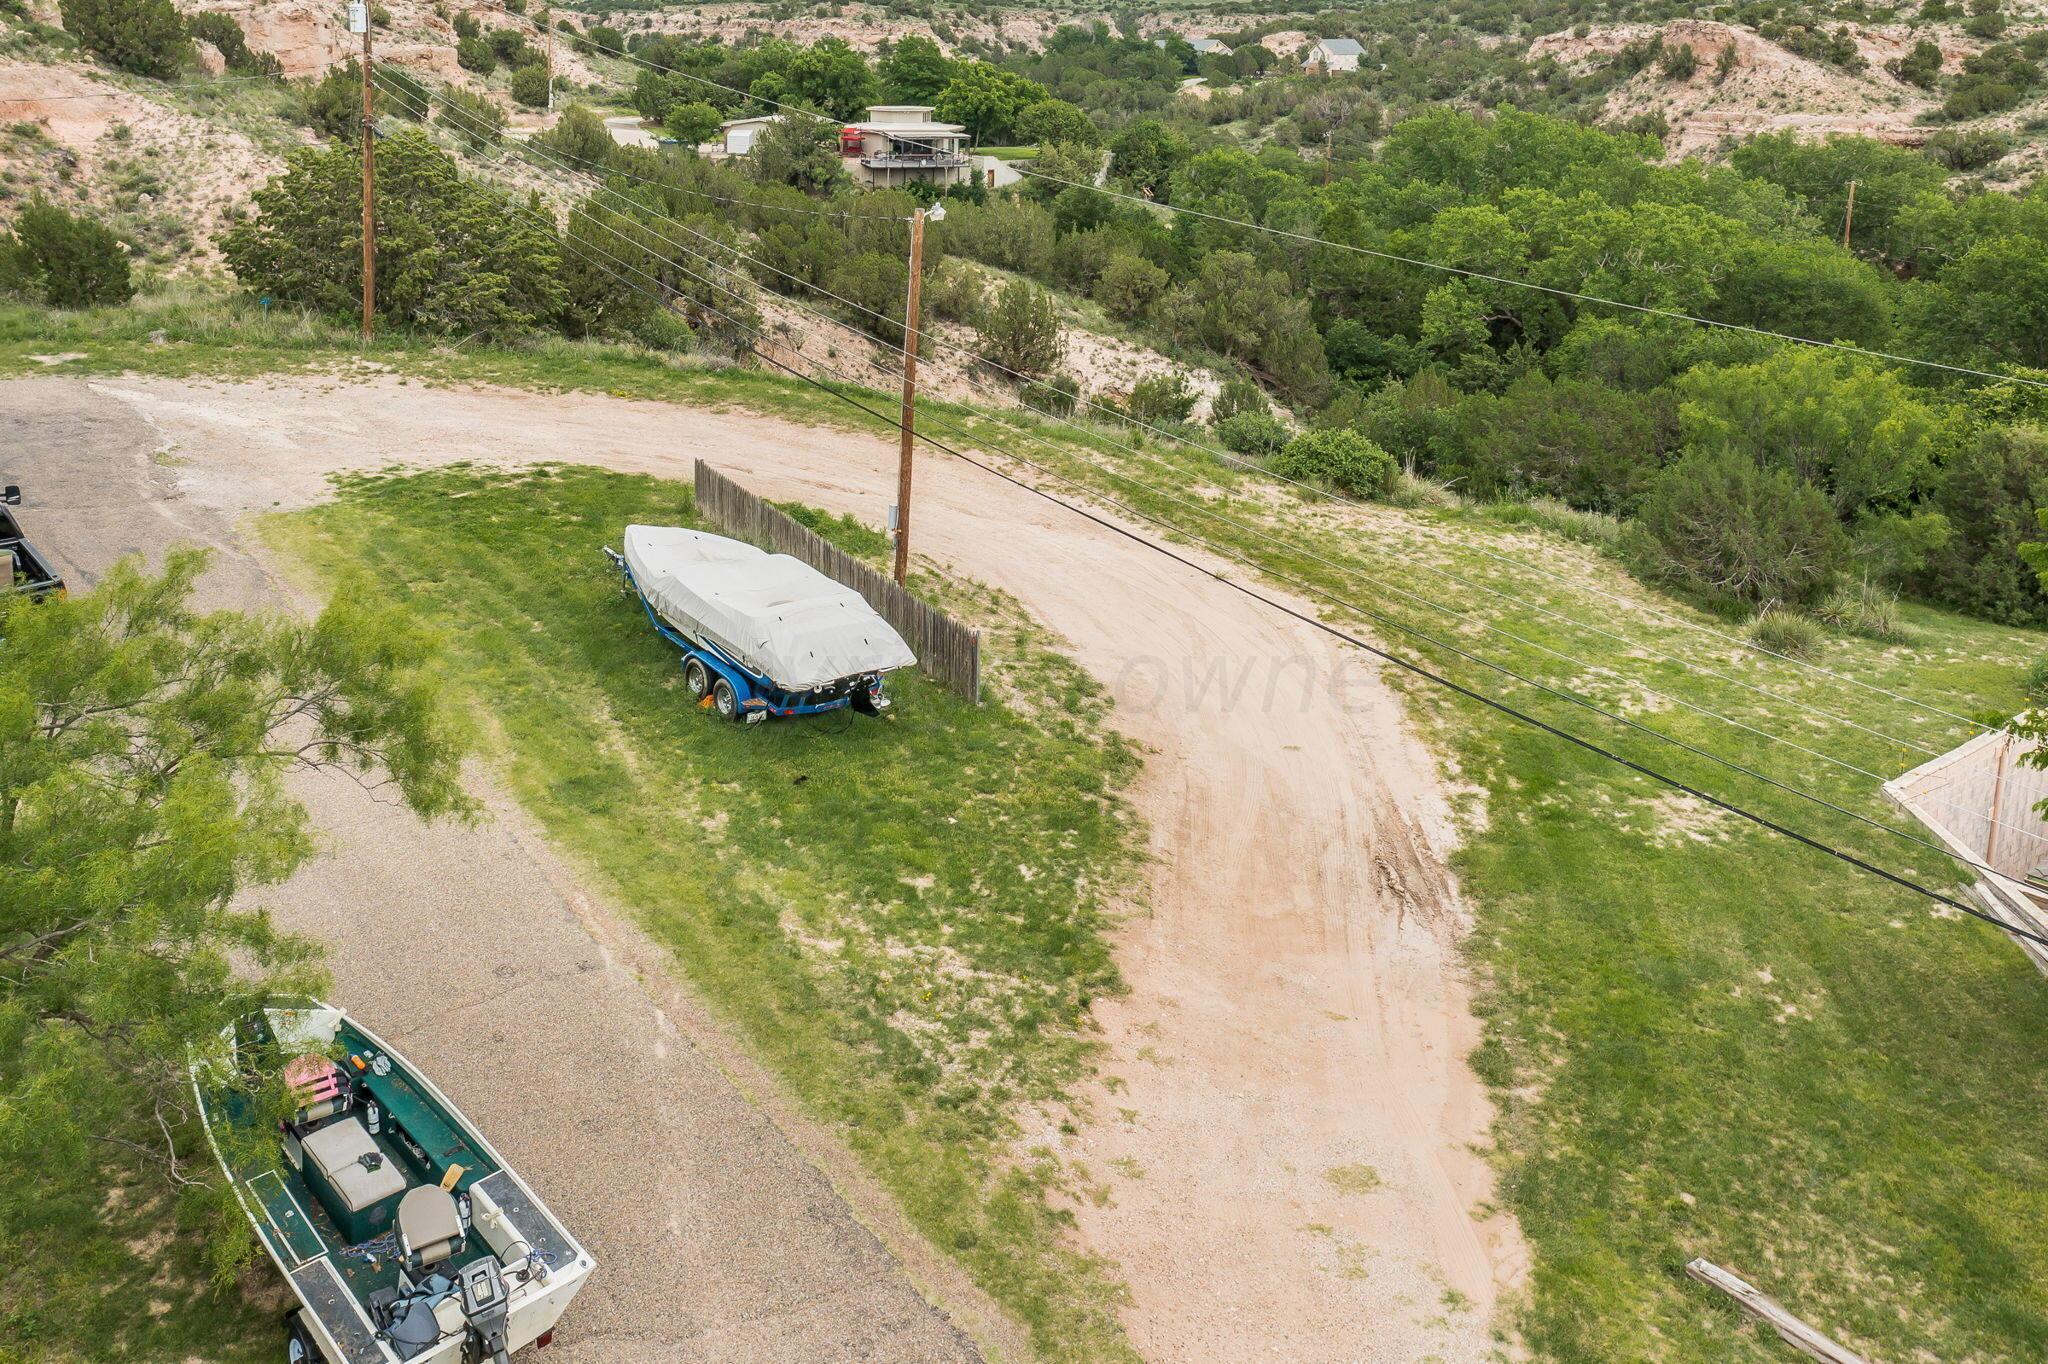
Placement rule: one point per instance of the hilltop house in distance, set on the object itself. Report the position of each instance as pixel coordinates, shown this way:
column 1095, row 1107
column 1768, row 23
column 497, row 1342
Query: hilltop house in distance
column 1332, row 54
column 898, row 143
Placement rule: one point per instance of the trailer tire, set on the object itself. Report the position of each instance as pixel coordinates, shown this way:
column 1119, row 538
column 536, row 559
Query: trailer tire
column 696, row 679
column 726, row 699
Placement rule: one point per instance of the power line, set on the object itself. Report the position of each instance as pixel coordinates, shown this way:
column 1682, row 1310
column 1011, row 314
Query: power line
column 1746, row 644
column 1418, row 669
column 1416, row 262
column 1434, row 605
column 1389, row 621
column 1437, row 571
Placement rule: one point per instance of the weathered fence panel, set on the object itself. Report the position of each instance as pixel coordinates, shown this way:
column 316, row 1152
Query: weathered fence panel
column 947, row 652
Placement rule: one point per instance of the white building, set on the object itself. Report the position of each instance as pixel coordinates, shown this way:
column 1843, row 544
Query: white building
column 1333, row 54
column 899, row 143
column 738, row 134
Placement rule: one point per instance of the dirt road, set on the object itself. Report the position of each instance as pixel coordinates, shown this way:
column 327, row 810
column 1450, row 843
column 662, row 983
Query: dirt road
column 545, row 1017
column 1287, row 1134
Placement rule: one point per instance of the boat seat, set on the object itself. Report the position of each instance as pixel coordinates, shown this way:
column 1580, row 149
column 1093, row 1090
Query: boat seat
column 340, row 1154
column 429, row 1228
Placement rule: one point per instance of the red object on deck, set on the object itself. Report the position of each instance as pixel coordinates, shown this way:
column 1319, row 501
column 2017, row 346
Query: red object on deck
column 852, row 142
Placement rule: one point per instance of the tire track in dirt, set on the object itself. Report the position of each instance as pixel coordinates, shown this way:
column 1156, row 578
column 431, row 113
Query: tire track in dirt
column 1281, row 1146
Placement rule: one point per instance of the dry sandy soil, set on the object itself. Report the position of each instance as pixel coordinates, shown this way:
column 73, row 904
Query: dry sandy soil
column 1770, row 89
column 94, row 132
column 1285, row 1132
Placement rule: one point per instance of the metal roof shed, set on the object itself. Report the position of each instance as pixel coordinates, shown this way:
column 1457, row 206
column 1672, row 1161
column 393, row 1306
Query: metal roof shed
column 1979, row 799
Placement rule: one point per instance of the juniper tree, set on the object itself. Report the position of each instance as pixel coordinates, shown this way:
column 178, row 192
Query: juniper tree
column 144, row 751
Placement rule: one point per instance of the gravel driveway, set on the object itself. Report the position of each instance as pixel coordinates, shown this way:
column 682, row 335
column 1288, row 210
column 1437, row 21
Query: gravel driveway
column 719, row 1233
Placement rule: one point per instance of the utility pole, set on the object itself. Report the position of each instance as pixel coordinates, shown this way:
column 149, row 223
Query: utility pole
column 909, row 418
column 1849, row 215
column 547, row 21
column 1329, row 154
column 359, row 18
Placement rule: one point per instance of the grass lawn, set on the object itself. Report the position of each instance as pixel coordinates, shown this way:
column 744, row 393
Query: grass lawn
column 1704, row 1040
column 1008, row 153
column 906, row 917
column 111, row 1266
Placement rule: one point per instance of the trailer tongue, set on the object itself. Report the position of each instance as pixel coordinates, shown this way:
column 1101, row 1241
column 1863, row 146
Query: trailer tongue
column 22, row 568
column 761, row 634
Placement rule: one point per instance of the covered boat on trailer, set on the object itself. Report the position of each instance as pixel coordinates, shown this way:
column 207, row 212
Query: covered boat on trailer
column 402, row 1232
column 761, row 634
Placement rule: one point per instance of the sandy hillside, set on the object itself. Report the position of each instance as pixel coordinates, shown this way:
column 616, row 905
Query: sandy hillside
column 1770, row 88
column 151, row 170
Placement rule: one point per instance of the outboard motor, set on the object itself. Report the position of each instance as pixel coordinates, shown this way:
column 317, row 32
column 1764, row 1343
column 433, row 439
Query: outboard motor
column 485, row 1303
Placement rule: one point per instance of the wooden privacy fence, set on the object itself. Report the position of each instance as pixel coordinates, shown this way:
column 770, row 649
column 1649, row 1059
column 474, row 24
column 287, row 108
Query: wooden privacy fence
column 947, row 652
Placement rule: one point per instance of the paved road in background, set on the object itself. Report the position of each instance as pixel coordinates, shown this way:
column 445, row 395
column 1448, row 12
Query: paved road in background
column 551, row 1023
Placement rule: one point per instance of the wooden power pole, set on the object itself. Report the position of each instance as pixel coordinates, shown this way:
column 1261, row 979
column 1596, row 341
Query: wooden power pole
column 1849, row 215
column 547, row 19
column 360, row 13
column 909, row 418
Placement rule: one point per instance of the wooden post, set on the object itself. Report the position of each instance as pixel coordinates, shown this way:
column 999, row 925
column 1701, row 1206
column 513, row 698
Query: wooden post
column 1997, row 798
column 1849, row 215
column 1790, row 1329
column 909, row 418
column 547, row 19
column 369, row 186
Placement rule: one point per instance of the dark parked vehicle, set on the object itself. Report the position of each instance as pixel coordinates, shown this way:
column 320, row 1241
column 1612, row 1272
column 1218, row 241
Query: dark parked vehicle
column 22, row 568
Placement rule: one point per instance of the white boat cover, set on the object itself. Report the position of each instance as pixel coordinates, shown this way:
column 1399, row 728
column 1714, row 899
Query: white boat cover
column 777, row 615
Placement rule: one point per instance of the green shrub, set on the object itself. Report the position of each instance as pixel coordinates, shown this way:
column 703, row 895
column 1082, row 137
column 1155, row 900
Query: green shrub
column 1257, row 434
column 664, row 329
column 1057, row 396
column 144, row 36
column 63, row 260
column 1785, row 632
column 530, row 85
column 333, row 105
column 1598, row 529
column 1921, row 66
column 1863, row 608
column 466, row 26
column 509, row 46
column 453, row 255
column 476, row 119
column 2034, row 681
column 1240, row 393
column 1341, row 459
column 473, row 53
column 1968, row 150
column 401, row 92
column 1161, row 399
column 691, row 123
column 954, row 290
column 1020, row 329
column 1716, row 523
column 1128, row 286
column 1413, row 490
column 228, row 39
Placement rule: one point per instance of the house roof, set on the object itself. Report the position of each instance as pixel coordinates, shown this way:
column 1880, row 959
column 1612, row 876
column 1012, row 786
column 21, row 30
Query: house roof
column 1204, row 44
column 912, row 129
column 1340, row 47
column 750, row 120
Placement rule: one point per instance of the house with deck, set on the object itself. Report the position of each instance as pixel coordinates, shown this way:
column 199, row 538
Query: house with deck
column 898, row 144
